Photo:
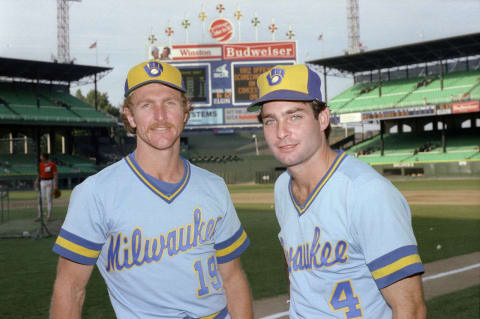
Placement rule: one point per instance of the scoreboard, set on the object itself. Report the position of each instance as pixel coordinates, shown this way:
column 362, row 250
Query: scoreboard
column 221, row 79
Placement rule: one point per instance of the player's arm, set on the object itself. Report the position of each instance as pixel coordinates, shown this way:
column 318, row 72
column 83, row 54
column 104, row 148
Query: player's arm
column 405, row 297
column 239, row 300
column 69, row 289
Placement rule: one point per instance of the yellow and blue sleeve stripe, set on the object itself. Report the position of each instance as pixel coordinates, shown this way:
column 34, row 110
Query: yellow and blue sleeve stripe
column 396, row 265
column 232, row 247
column 76, row 249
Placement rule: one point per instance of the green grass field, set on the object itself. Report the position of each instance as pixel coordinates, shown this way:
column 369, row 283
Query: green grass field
column 28, row 266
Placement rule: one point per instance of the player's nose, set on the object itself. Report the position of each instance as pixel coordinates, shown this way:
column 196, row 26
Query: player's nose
column 282, row 130
column 160, row 112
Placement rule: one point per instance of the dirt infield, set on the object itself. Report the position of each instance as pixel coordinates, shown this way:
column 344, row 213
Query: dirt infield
column 425, row 197
column 430, row 197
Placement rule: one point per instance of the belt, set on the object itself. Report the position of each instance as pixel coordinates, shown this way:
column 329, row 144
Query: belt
column 46, row 179
column 217, row 315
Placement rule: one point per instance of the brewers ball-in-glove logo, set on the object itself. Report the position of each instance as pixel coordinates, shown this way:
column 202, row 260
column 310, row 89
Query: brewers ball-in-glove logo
column 153, row 69
column 275, row 76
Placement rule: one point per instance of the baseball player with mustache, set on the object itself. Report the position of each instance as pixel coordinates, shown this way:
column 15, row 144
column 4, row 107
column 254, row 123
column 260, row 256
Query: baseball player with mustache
column 163, row 233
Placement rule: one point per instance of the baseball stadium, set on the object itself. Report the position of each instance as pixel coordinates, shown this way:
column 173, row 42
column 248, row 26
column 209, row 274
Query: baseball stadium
column 412, row 112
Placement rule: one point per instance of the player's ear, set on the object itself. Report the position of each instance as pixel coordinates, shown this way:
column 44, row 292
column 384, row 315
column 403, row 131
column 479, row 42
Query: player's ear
column 186, row 116
column 324, row 118
column 129, row 116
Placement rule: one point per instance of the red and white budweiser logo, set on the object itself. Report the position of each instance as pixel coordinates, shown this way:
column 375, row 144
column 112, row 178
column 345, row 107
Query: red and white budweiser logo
column 255, row 51
column 221, row 29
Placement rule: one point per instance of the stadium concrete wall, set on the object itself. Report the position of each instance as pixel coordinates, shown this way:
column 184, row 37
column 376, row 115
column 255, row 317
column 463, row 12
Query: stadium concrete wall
column 439, row 169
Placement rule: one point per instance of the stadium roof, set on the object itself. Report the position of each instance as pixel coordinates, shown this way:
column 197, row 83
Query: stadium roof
column 422, row 52
column 50, row 71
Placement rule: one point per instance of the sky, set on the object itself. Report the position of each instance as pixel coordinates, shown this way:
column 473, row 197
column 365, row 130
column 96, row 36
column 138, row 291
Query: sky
column 28, row 28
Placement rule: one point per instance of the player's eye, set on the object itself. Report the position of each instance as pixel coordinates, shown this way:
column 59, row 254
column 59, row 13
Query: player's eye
column 171, row 103
column 295, row 116
column 268, row 121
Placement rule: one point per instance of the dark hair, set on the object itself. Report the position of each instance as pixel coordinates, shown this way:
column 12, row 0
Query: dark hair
column 45, row 156
column 317, row 108
column 127, row 103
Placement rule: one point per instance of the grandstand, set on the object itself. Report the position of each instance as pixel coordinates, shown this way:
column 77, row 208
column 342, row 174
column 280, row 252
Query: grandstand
column 425, row 98
column 38, row 114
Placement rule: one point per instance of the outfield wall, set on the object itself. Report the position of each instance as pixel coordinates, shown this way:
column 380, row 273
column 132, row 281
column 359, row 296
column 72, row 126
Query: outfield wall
column 439, row 169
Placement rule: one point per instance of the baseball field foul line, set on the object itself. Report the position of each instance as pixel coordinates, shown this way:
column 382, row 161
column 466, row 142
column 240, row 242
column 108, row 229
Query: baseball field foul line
column 451, row 272
column 439, row 275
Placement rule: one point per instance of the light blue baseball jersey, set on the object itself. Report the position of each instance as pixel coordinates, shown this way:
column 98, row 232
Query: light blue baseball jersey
column 351, row 238
column 157, row 247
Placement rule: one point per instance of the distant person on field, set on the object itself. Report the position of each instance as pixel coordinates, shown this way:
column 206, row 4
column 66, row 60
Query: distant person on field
column 48, row 180
column 345, row 230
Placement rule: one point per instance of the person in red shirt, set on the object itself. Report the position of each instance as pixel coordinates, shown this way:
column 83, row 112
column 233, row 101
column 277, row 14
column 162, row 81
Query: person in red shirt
column 48, row 183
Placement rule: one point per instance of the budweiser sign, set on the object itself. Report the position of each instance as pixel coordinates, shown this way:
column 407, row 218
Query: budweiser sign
column 221, row 29
column 255, row 51
column 465, row 107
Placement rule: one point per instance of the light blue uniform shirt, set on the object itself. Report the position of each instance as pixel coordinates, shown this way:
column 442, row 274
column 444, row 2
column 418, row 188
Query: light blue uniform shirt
column 157, row 246
column 351, row 238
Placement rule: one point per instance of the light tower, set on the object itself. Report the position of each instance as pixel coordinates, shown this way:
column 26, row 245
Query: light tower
column 353, row 24
column 63, row 35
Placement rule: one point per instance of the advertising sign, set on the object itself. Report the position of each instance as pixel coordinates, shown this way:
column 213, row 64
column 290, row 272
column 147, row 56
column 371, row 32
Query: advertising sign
column 221, row 78
column 417, row 111
column 206, row 116
column 196, row 52
column 465, row 107
column 444, row 109
column 263, row 51
column 237, row 115
column 221, row 29
column 351, row 117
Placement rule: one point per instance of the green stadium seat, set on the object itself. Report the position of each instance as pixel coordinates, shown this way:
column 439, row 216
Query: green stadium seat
column 404, row 148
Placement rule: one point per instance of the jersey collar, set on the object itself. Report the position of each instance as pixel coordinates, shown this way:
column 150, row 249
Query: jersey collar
column 155, row 185
column 302, row 208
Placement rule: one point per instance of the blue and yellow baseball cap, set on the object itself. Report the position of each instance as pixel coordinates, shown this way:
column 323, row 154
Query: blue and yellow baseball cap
column 289, row 83
column 153, row 71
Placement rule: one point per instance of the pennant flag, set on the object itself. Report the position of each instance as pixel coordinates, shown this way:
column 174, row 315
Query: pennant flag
column 320, row 37
column 93, row 45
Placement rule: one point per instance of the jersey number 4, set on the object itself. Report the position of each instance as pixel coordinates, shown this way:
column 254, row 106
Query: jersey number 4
column 203, row 289
column 344, row 298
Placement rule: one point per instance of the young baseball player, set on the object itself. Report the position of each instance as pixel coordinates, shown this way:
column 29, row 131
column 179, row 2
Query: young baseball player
column 48, row 183
column 163, row 233
column 345, row 230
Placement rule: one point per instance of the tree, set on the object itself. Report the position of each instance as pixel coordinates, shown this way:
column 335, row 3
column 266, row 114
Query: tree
column 102, row 101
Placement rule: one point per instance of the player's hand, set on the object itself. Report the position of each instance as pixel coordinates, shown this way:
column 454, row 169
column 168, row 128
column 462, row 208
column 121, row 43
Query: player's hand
column 56, row 193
